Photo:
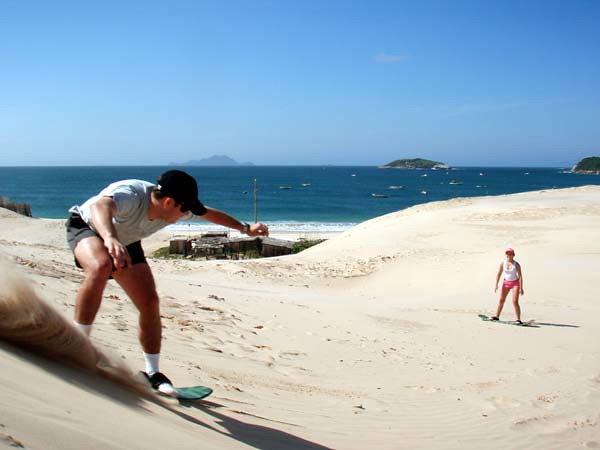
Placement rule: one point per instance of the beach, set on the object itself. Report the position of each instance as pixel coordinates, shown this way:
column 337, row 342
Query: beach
column 369, row 340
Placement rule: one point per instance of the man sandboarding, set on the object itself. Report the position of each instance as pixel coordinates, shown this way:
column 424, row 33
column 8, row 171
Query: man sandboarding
column 105, row 234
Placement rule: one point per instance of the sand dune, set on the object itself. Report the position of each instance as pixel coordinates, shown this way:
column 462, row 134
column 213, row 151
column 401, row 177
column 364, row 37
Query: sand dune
column 370, row 340
column 28, row 322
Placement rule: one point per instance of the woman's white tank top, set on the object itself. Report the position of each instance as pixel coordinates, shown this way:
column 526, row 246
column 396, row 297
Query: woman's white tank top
column 510, row 275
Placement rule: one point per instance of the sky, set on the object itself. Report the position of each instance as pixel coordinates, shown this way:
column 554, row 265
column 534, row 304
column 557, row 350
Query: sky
column 477, row 83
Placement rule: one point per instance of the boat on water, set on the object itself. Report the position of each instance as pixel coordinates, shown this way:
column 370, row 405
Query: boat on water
column 424, row 192
column 305, row 184
column 455, row 182
column 285, row 187
column 379, row 195
column 424, row 175
column 396, row 187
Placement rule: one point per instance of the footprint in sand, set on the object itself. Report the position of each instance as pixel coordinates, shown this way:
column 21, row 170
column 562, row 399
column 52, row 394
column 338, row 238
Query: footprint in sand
column 291, row 354
column 11, row 441
column 533, row 421
column 503, row 401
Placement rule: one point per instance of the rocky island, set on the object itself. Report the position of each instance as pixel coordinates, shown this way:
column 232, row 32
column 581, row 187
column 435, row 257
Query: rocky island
column 415, row 163
column 215, row 160
column 589, row 165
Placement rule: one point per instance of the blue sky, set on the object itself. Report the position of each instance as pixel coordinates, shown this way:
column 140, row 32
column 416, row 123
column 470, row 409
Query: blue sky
column 303, row 82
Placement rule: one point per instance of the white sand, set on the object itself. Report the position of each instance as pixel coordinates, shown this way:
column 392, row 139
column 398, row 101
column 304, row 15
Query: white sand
column 370, row 340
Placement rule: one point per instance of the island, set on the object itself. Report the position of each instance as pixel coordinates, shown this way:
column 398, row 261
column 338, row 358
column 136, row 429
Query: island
column 215, row 160
column 415, row 163
column 590, row 165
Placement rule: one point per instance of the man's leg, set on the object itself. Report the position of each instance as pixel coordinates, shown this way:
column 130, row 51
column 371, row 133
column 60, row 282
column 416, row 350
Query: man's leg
column 97, row 265
column 137, row 281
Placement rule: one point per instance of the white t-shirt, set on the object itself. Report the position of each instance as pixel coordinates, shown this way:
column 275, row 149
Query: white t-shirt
column 511, row 274
column 132, row 198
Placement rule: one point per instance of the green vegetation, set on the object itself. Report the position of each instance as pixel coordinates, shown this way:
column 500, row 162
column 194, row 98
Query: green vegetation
column 303, row 244
column 21, row 208
column 228, row 253
column 415, row 163
column 588, row 165
column 163, row 253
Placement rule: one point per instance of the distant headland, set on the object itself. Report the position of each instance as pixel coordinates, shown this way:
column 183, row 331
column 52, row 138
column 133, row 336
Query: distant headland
column 215, row 160
column 589, row 165
column 415, row 163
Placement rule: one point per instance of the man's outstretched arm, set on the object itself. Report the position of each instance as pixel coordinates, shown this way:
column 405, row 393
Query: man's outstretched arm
column 224, row 219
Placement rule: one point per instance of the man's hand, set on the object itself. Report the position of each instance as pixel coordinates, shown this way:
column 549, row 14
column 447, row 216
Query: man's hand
column 118, row 253
column 258, row 229
column 103, row 212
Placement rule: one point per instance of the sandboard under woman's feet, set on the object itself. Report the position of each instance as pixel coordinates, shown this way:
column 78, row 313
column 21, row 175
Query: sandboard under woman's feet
column 529, row 323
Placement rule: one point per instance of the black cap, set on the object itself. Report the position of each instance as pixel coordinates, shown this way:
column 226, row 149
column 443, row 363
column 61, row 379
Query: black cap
column 183, row 189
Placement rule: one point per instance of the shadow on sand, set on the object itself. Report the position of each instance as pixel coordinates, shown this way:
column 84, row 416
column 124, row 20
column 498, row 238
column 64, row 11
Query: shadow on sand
column 257, row 436
column 564, row 325
column 76, row 376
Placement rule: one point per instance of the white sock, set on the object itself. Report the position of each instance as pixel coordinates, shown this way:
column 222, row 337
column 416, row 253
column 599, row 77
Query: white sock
column 152, row 360
column 85, row 329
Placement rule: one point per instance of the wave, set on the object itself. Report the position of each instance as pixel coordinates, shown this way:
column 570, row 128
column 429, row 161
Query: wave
column 275, row 226
column 28, row 322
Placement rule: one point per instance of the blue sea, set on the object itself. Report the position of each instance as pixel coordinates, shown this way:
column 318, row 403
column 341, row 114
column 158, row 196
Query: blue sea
column 294, row 198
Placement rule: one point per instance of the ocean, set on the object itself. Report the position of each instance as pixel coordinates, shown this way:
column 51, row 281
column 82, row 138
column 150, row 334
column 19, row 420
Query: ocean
column 290, row 198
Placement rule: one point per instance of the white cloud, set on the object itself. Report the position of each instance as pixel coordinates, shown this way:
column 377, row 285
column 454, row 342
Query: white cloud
column 386, row 58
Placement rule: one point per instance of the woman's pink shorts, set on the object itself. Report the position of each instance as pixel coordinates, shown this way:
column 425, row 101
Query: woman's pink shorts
column 511, row 284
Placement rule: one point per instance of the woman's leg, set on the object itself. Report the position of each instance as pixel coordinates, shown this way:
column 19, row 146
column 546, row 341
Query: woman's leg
column 503, row 295
column 515, row 300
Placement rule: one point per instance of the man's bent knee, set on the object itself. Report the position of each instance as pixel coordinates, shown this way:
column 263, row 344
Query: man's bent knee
column 98, row 268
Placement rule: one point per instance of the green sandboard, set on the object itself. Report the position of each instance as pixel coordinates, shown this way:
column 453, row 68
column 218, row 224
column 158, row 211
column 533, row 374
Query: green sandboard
column 529, row 323
column 193, row 392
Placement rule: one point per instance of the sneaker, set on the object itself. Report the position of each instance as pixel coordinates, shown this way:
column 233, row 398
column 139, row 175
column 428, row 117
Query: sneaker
column 518, row 322
column 494, row 318
column 161, row 383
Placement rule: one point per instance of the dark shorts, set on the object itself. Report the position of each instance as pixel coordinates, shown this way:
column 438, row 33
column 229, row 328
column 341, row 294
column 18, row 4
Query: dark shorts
column 77, row 230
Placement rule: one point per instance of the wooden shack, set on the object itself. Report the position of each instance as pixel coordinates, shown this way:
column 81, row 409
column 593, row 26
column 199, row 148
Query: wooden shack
column 217, row 246
column 210, row 246
column 275, row 247
column 180, row 246
column 242, row 245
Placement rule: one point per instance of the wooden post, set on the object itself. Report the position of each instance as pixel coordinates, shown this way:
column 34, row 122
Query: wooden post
column 255, row 202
